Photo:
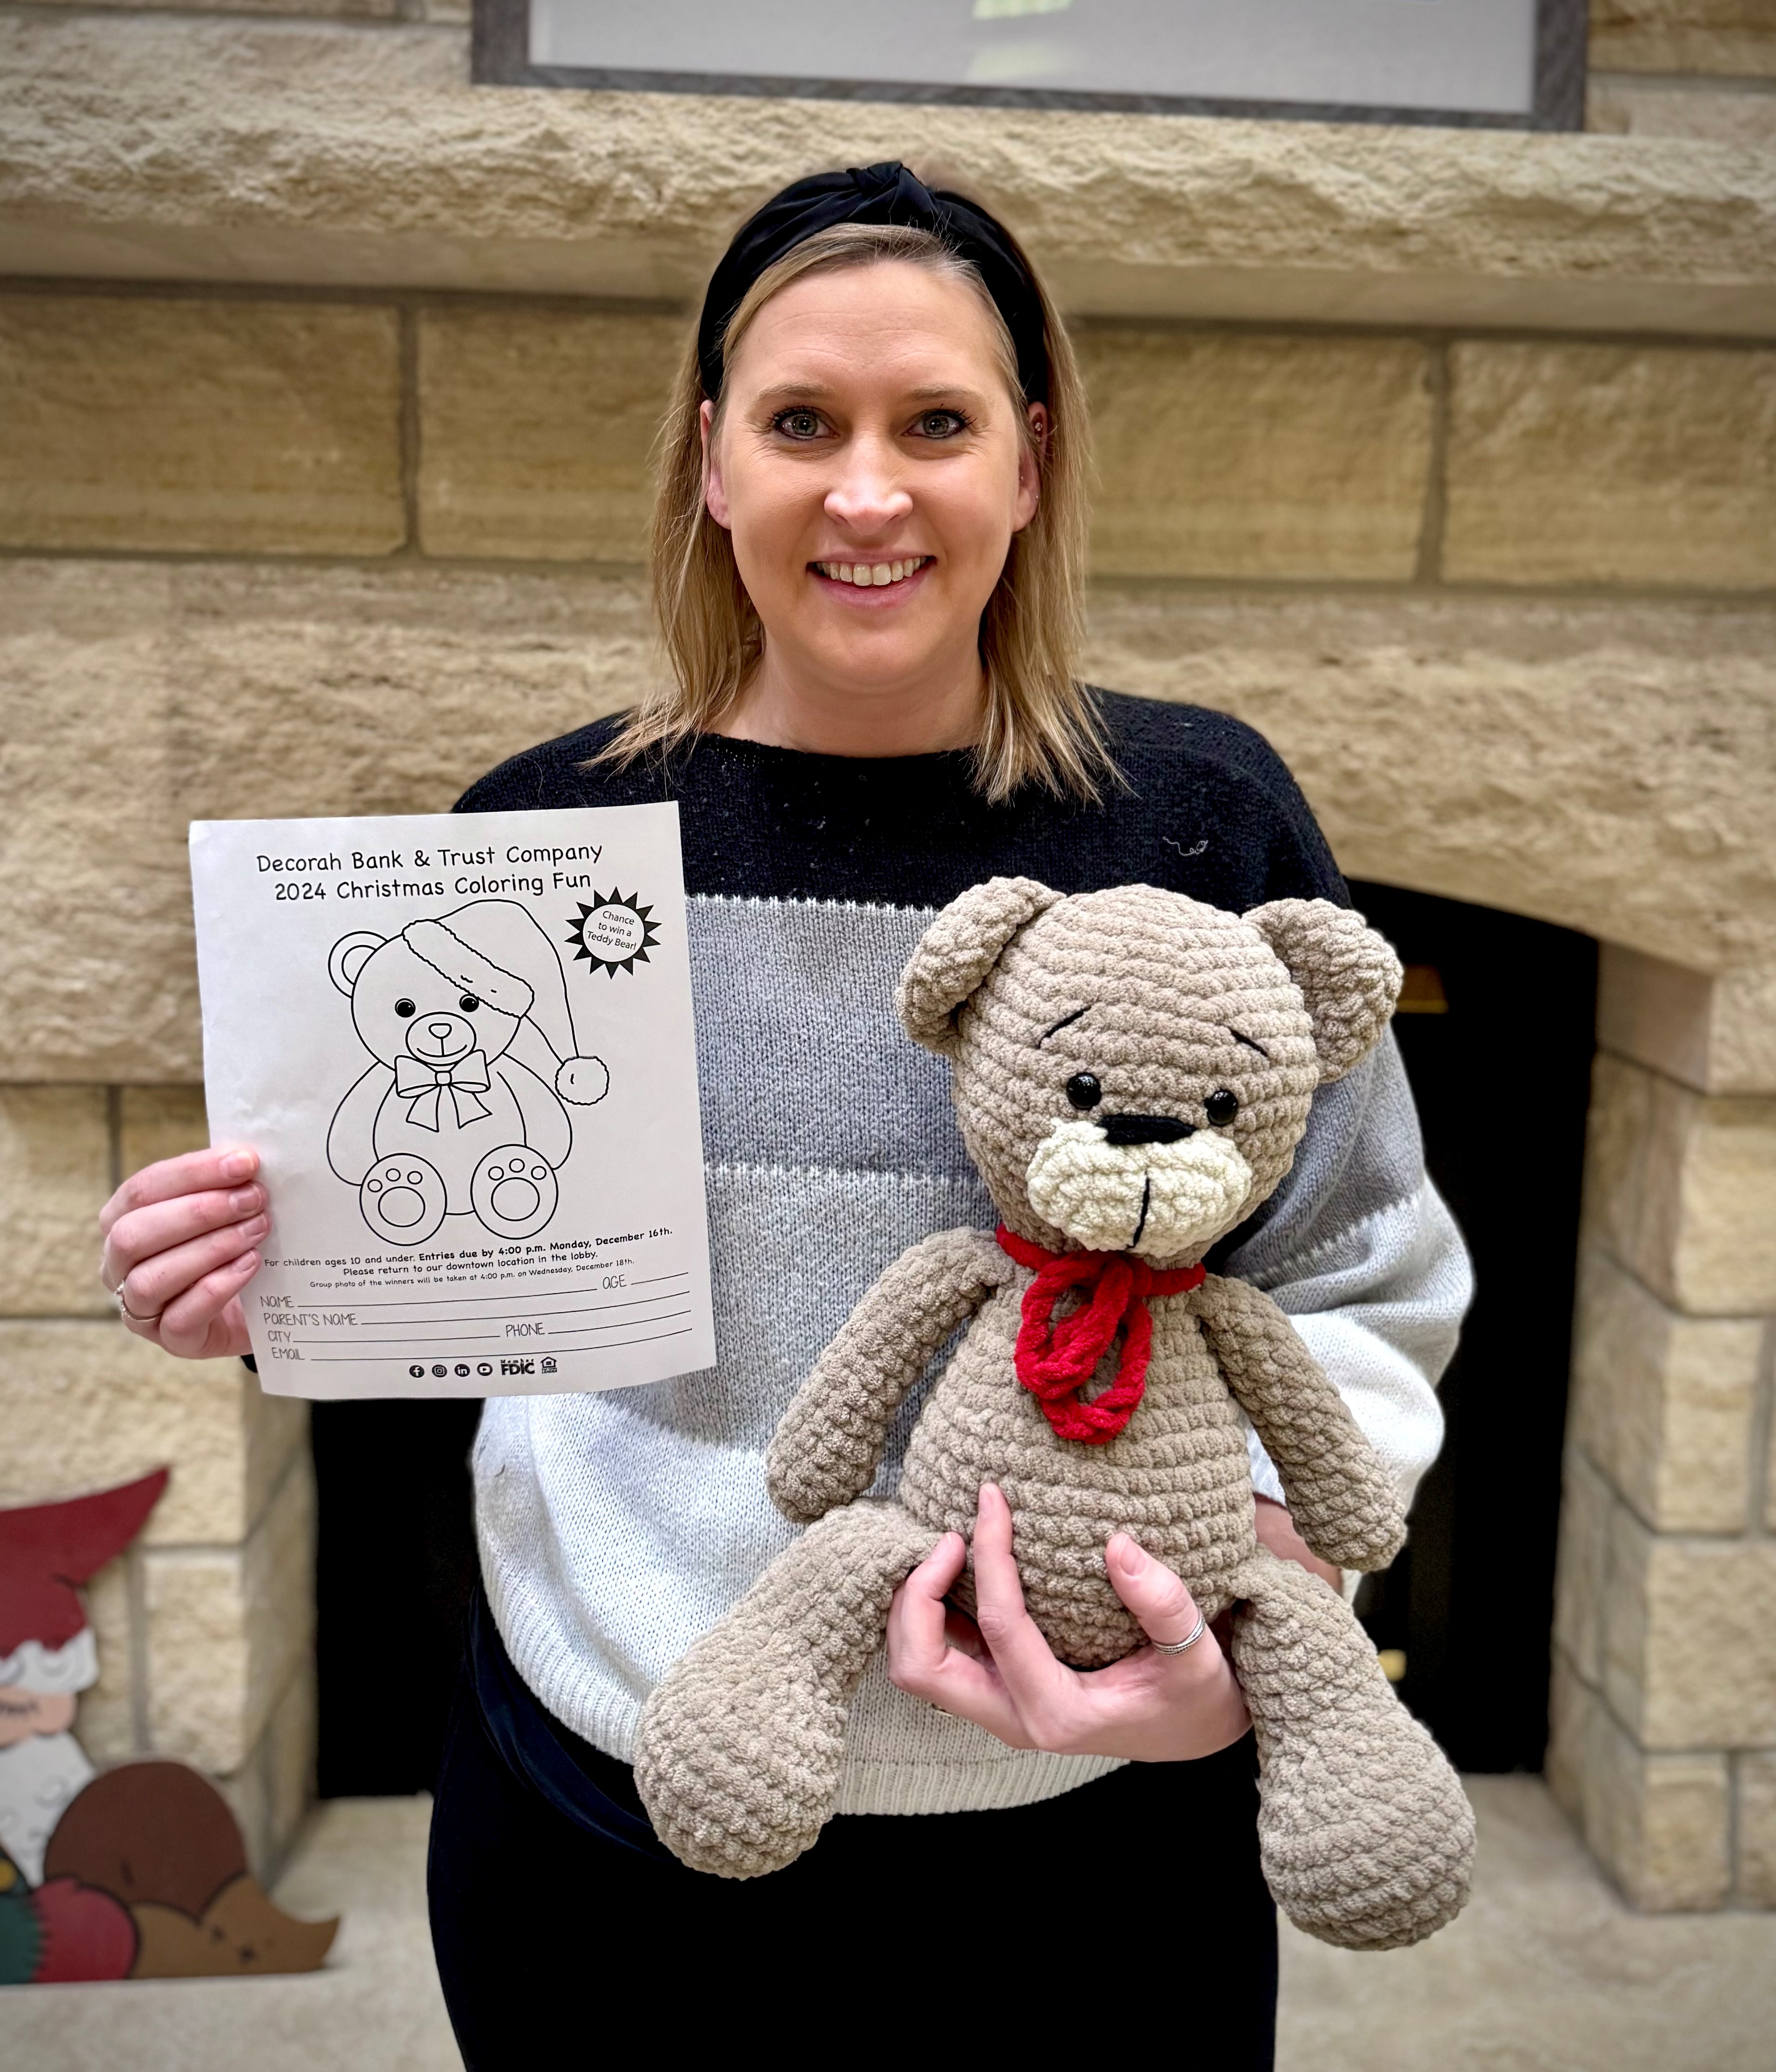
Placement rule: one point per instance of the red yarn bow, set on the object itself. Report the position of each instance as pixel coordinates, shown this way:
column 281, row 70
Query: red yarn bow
column 1054, row 1361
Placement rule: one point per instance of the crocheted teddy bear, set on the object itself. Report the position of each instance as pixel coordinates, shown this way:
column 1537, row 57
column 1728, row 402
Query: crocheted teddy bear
column 1132, row 1071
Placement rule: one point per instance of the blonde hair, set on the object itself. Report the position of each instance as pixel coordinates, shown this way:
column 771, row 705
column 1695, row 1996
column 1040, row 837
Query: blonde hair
column 1038, row 724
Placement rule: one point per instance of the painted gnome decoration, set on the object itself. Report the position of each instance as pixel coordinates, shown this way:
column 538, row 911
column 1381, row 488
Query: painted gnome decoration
column 465, row 1111
column 47, row 1655
column 139, row 1871
column 1132, row 1071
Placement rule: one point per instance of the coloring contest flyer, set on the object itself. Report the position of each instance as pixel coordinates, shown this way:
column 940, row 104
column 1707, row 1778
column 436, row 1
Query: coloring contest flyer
column 464, row 1048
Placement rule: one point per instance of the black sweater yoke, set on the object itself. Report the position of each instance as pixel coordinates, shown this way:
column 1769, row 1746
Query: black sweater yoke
column 1207, row 808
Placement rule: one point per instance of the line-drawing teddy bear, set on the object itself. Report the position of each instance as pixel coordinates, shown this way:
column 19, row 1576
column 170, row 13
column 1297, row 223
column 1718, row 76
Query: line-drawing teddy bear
column 1132, row 1071
column 464, row 1111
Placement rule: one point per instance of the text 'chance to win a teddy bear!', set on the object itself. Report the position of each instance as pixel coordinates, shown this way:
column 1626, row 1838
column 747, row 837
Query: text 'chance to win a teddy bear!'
column 1132, row 1071
column 463, row 1113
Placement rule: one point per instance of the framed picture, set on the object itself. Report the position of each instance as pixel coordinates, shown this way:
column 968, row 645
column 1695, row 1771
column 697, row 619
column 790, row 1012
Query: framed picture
column 1504, row 64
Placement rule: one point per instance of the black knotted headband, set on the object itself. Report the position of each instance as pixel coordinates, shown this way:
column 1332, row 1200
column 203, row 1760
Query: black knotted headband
column 876, row 194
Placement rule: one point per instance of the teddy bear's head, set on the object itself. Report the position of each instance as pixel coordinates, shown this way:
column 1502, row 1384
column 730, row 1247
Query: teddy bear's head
column 482, row 978
column 1133, row 1070
column 402, row 1002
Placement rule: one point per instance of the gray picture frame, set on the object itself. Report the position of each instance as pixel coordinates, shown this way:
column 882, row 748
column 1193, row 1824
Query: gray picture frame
column 501, row 57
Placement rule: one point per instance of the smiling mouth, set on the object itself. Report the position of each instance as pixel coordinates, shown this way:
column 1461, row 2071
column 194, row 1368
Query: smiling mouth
column 871, row 575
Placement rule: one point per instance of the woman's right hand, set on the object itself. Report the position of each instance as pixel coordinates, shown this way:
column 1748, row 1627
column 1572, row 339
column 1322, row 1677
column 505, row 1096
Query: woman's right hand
column 181, row 1241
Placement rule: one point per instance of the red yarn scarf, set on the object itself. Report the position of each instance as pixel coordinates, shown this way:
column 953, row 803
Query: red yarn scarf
column 1055, row 1361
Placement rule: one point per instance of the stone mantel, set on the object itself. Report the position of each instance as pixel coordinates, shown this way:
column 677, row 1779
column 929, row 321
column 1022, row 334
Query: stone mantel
column 159, row 153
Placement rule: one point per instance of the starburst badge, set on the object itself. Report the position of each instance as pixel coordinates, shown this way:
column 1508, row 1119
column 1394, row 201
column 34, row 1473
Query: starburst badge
column 614, row 930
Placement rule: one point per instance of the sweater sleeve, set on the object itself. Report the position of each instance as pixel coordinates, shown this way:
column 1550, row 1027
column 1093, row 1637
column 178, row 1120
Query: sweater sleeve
column 1357, row 1248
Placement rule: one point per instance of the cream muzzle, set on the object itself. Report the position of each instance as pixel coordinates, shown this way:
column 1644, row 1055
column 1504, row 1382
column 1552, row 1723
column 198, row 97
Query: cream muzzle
column 1158, row 1200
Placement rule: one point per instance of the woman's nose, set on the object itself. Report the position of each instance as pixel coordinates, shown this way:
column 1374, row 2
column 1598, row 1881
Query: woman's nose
column 867, row 497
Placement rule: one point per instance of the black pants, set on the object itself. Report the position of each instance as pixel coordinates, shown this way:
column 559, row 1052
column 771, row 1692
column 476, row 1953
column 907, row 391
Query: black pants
column 1134, row 1902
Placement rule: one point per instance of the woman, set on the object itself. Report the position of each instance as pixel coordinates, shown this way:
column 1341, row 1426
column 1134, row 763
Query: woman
column 867, row 564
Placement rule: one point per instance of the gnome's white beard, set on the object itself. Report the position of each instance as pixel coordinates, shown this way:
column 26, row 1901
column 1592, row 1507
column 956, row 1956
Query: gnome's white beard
column 38, row 1777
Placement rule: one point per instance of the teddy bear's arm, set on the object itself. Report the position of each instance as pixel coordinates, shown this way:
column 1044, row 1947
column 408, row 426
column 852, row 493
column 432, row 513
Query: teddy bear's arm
column 829, row 1445
column 352, row 1135
column 1342, row 1498
column 547, row 1129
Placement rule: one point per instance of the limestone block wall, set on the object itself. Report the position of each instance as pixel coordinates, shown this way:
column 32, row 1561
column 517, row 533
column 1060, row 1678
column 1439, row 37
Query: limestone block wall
column 1664, row 1705
column 1684, row 68
column 1503, row 590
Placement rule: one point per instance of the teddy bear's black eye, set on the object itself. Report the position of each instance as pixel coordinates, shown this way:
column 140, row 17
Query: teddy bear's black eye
column 1083, row 1091
column 468, row 1003
column 404, row 1008
column 1221, row 1106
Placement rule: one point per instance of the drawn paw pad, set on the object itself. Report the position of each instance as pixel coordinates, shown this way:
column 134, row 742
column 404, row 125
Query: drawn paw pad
column 513, row 1191
column 404, row 1199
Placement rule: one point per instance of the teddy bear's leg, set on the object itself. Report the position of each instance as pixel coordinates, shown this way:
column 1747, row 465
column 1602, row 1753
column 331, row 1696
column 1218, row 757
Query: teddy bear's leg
column 1367, row 1835
column 513, row 1191
column 404, row 1198
column 738, row 1758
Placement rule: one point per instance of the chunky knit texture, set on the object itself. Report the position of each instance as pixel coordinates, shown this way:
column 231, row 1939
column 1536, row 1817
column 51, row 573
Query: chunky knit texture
column 1200, row 1043
column 615, row 1528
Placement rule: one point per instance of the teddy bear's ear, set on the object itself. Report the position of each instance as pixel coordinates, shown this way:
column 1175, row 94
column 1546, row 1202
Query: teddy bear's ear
column 958, row 950
column 1348, row 975
column 349, row 956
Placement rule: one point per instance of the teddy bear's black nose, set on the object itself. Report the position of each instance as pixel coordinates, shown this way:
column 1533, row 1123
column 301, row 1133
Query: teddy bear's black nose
column 1144, row 1128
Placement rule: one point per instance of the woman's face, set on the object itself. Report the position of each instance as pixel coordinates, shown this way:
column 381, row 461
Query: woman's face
column 870, row 469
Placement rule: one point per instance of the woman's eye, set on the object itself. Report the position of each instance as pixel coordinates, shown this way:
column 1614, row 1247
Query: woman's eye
column 468, row 1003
column 1221, row 1106
column 1083, row 1091
column 797, row 423
column 941, row 425
column 404, row 1008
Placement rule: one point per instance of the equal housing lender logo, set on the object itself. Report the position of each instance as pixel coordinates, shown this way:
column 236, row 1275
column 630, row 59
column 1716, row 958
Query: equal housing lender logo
column 615, row 931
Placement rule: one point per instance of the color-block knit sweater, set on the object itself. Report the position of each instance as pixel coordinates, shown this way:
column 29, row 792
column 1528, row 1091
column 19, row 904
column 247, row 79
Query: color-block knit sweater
column 615, row 1528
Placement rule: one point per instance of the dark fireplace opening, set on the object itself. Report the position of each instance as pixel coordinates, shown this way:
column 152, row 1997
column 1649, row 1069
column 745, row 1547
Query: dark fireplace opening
column 395, row 1568
column 1496, row 1030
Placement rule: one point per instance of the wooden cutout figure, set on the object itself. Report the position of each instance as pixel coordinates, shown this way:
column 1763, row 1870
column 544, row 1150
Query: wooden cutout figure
column 161, row 1839
column 61, row 1930
column 47, row 1652
column 140, row 1872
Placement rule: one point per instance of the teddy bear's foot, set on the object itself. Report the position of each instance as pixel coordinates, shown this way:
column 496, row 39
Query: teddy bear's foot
column 740, row 1742
column 404, row 1199
column 1365, row 1834
column 513, row 1191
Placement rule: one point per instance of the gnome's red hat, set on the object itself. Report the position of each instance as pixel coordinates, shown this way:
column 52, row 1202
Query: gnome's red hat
column 48, row 1550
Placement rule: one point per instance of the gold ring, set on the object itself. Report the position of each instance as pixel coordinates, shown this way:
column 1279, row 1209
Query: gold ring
column 116, row 1297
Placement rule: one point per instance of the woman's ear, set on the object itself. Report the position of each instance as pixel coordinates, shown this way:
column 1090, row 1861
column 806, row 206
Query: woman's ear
column 715, row 495
column 958, row 950
column 1032, row 455
column 1348, row 975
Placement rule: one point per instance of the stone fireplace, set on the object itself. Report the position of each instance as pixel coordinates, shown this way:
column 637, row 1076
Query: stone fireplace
column 1442, row 457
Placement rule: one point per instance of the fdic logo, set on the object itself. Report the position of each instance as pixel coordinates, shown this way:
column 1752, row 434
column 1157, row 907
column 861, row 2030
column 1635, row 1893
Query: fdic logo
column 441, row 1369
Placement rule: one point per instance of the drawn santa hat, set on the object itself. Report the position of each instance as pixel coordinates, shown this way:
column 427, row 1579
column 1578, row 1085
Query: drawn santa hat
column 47, row 1551
column 496, row 950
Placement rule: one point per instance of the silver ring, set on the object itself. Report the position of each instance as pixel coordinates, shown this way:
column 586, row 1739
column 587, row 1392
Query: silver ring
column 1178, row 1647
column 116, row 1297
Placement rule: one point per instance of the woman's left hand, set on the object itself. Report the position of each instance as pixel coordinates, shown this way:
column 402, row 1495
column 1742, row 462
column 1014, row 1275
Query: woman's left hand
column 1148, row 1707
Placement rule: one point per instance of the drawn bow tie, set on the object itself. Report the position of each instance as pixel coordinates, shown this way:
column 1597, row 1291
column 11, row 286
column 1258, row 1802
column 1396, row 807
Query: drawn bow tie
column 425, row 1084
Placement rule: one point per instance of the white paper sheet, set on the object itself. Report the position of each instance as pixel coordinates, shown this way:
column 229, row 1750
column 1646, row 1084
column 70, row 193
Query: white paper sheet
column 464, row 1049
